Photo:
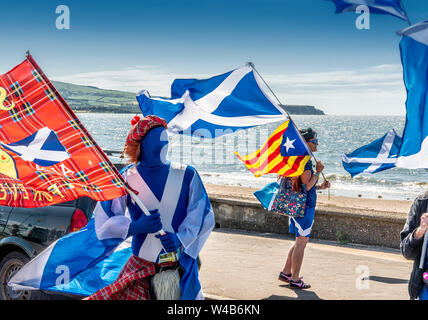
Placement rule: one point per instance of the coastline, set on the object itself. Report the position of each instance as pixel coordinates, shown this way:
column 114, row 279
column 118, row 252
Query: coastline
column 358, row 204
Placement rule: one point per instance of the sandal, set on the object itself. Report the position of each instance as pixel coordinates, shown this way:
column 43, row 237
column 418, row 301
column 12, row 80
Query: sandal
column 284, row 277
column 299, row 284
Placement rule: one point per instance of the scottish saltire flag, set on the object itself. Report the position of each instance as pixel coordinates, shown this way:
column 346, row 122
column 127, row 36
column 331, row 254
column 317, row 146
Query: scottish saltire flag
column 42, row 148
column 46, row 154
column 413, row 153
column 68, row 268
column 377, row 156
column 215, row 106
column 391, row 7
column 284, row 153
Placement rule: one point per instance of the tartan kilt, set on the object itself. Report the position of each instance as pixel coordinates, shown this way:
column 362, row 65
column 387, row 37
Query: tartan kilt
column 132, row 282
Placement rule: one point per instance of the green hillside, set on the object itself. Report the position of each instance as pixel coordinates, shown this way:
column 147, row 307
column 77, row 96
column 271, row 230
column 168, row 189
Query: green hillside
column 92, row 99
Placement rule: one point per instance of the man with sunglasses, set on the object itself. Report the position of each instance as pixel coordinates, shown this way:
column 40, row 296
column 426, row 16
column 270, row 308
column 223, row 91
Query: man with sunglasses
column 302, row 227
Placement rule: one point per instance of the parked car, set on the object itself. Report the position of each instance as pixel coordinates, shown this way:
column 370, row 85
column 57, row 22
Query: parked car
column 25, row 232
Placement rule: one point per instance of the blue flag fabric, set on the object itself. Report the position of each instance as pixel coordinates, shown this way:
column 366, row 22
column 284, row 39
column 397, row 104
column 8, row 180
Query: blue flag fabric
column 65, row 257
column 216, row 106
column 267, row 195
column 391, row 7
column 377, row 156
column 414, row 55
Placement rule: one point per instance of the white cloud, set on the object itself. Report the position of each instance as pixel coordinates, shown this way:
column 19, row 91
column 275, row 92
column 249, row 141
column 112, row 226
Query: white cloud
column 156, row 81
column 376, row 90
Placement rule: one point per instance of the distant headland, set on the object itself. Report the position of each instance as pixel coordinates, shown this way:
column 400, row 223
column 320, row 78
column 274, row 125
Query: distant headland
column 92, row 99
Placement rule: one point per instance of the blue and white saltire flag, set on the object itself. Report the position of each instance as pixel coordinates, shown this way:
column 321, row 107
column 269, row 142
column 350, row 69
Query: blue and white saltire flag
column 43, row 148
column 414, row 55
column 216, row 106
column 83, row 262
column 377, row 156
column 391, row 7
column 74, row 264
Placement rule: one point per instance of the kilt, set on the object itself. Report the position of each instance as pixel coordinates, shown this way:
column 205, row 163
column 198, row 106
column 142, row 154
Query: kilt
column 132, row 282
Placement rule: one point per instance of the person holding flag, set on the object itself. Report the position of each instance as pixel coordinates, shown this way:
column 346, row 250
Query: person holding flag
column 179, row 205
column 302, row 227
column 287, row 153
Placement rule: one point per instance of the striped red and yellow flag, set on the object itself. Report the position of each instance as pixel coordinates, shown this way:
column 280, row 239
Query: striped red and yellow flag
column 286, row 159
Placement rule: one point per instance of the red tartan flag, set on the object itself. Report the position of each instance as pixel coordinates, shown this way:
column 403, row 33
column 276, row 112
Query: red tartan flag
column 46, row 154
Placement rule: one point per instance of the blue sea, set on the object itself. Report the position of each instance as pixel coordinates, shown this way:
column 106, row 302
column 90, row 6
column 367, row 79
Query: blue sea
column 217, row 164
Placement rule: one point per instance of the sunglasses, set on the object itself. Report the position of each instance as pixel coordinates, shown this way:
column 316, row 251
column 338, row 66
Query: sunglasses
column 314, row 141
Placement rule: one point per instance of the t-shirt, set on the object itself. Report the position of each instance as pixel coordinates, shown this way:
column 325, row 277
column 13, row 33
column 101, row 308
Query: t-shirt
column 311, row 197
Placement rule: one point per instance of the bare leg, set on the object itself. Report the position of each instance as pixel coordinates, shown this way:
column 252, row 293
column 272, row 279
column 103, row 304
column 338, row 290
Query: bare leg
column 297, row 257
column 288, row 264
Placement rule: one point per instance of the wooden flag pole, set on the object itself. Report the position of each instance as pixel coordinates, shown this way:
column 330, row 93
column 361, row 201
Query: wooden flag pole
column 280, row 104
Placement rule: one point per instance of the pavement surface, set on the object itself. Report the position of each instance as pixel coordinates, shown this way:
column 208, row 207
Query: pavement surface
column 243, row 265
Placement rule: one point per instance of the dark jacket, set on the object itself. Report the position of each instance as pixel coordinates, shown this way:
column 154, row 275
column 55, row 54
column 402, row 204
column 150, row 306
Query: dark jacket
column 411, row 248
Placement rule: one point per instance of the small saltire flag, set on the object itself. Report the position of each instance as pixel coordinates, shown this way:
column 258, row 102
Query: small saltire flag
column 46, row 154
column 42, row 148
column 391, row 7
column 413, row 153
column 377, row 156
column 216, row 106
column 284, row 153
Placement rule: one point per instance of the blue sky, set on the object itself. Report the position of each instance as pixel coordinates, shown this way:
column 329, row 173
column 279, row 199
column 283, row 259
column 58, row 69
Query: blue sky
column 306, row 52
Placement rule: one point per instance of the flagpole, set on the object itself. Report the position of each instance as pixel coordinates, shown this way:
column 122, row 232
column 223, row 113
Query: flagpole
column 141, row 205
column 280, row 104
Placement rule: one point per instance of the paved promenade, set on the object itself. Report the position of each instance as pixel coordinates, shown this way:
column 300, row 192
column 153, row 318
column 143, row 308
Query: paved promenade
column 245, row 266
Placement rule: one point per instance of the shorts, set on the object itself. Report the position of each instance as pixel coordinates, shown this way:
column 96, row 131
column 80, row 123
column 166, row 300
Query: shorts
column 302, row 227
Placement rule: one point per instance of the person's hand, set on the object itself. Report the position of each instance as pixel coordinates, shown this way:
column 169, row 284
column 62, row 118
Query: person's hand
column 325, row 185
column 424, row 221
column 423, row 227
column 319, row 167
column 146, row 224
column 170, row 241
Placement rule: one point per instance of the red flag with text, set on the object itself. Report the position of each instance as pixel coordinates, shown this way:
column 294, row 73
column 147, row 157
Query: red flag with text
column 46, row 154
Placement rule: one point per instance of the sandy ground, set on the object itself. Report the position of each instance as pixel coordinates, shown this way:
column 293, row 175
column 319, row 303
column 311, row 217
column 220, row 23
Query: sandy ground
column 245, row 193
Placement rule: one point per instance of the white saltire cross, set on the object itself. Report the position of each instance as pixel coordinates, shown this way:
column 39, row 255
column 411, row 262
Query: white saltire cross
column 382, row 158
column 34, row 149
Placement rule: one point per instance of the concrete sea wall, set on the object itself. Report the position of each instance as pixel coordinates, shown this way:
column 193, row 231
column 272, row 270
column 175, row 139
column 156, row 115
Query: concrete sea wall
column 331, row 222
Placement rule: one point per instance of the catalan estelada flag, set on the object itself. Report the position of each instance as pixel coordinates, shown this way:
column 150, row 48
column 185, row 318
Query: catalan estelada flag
column 46, row 154
column 284, row 153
